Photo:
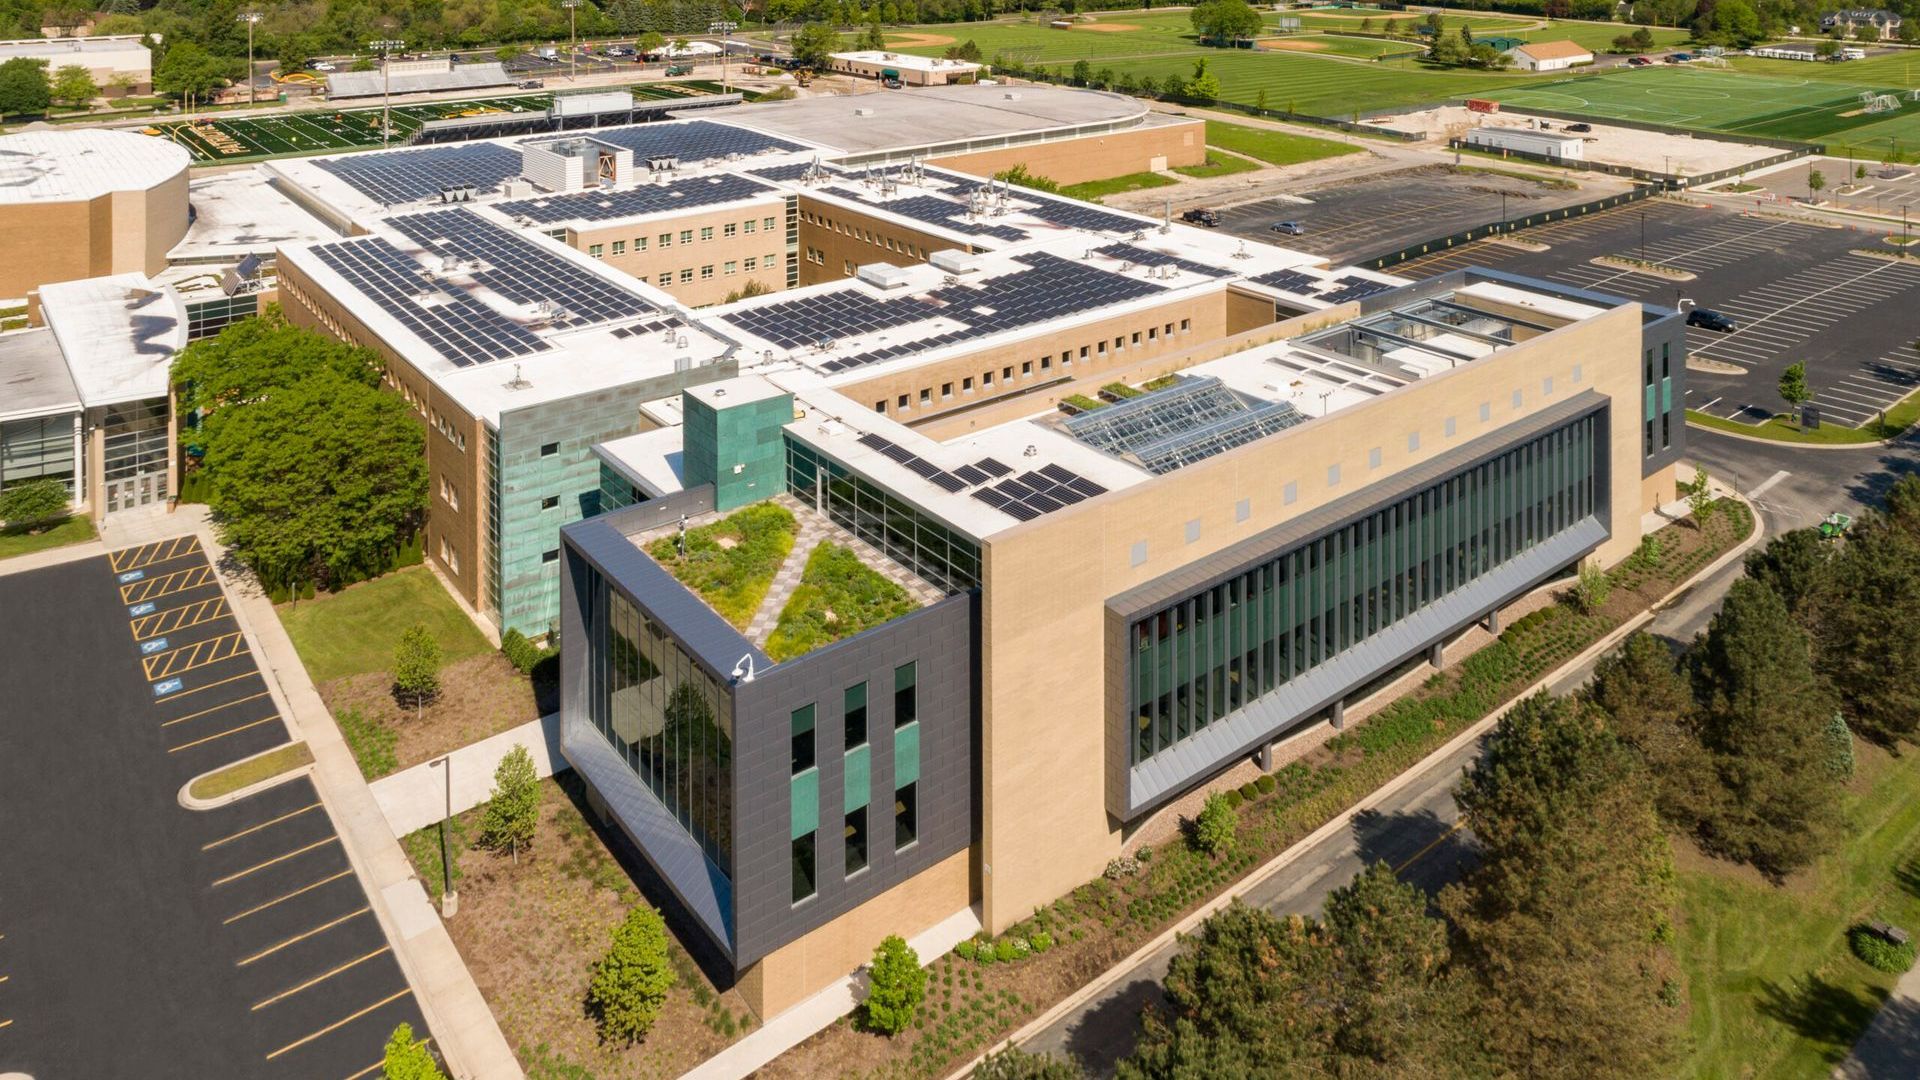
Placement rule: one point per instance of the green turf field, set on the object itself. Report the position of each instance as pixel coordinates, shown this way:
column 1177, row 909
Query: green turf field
column 1320, row 85
column 1358, row 48
column 1813, row 110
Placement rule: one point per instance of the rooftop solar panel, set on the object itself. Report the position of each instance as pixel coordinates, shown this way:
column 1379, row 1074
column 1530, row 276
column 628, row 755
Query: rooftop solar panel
column 1292, row 281
column 693, row 140
column 1147, row 257
column 404, row 176
column 680, row 195
column 992, row 467
column 454, row 324
column 520, row 270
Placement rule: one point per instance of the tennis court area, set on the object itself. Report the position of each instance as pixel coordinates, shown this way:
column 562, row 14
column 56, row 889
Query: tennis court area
column 1771, row 106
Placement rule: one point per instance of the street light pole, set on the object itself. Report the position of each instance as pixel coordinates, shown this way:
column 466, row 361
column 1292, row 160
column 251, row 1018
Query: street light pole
column 449, row 900
column 249, row 17
column 725, row 29
column 386, row 47
column 573, row 48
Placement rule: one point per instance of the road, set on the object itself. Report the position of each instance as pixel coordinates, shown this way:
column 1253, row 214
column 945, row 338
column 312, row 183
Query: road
column 1415, row 830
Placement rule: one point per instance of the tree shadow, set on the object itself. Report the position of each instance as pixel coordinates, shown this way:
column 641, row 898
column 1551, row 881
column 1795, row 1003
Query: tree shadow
column 1824, row 1013
column 1423, row 850
column 1871, row 486
column 1110, row 1030
column 1908, row 875
column 1890, row 1047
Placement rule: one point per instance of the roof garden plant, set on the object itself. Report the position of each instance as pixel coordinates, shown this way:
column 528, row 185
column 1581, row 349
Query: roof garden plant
column 839, row 596
column 731, row 562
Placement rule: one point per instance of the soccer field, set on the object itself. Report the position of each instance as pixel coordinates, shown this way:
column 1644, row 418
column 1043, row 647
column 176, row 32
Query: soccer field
column 1771, row 106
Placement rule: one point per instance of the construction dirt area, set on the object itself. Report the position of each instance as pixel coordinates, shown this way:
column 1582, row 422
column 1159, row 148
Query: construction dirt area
column 1656, row 151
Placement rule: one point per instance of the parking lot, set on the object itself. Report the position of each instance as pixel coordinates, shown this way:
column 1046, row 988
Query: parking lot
column 1885, row 189
column 1375, row 215
column 137, row 937
column 1796, row 290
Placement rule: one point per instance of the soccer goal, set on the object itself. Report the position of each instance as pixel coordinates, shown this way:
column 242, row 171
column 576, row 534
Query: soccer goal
column 1884, row 103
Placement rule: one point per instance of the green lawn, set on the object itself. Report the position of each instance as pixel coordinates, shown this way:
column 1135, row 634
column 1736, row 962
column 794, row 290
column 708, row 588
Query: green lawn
column 1325, row 44
column 354, row 631
column 1219, row 163
column 71, row 531
column 1774, row 990
column 1781, row 429
column 1273, row 147
column 1093, row 190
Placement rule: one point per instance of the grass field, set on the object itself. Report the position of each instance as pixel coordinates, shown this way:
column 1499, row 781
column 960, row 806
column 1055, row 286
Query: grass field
column 71, row 531
column 1358, row 48
column 354, row 630
column 1273, row 147
column 1740, row 103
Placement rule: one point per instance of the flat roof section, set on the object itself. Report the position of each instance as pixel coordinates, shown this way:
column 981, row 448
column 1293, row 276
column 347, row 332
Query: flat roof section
column 907, row 61
column 236, row 214
column 33, row 376
column 119, row 335
column 84, row 163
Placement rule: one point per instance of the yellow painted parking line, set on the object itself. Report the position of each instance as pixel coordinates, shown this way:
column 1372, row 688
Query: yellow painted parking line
column 300, row 937
column 257, row 828
column 318, row 979
column 223, row 734
column 301, row 891
column 166, row 584
column 378, row 1065
column 157, row 552
column 1431, row 844
column 209, row 686
column 179, row 618
column 323, row 842
column 338, row 1024
column 197, row 655
column 214, row 709
column 6, row 1023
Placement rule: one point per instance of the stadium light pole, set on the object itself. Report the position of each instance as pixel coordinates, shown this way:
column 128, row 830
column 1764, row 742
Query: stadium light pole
column 573, row 47
column 386, row 47
column 250, row 18
column 725, row 29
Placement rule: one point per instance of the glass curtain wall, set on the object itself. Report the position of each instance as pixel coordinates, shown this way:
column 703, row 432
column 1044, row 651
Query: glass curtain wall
column 38, row 449
column 670, row 721
column 912, row 539
column 1206, row 655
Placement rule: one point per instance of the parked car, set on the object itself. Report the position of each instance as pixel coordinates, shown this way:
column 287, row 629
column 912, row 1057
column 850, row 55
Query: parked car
column 1288, row 228
column 1708, row 319
column 324, row 66
column 1639, row 61
column 531, row 84
column 1579, row 129
column 1679, row 58
column 1835, row 525
column 680, row 69
column 1199, row 216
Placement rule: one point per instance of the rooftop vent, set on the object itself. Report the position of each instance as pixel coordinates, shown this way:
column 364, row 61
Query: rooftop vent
column 863, row 111
column 884, row 275
column 955, row 261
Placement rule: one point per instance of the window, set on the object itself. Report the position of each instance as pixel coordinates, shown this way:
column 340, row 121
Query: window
column 802, row 739
column 1666, row 359
column 767, row 223
column 770, row 261
column 855, row 712
column 549, row 449
column 686, row 236
column 686, row 275
column 666, row 279
column 550, row 555
column 879, row 406
column 906, row 700
column 906, row 816
column 706, row 272
column 550, row 502
column 1103, row 347
column 706, row 232
column 1119, row 343
column 1046, row 362
column 946, row 389
column 1666, row 430
column 594, row 250
column 901, row 402
column 1153, row 333
column 729, row 229
column 666, row 239
column 846, row 269
column 619, row 247
column 731, row 268
column 1083, row 353
column 803, row 866
column 1136, row 337
column 449, row 557
column 751, row 223
column 750, row 262
column 1006, row 374
column 856, row 841
column 1026, row 368
column 966, row 384
column 926, row 395
column 986, row 378
column 1186, row 325
column 450, row 496
column 639, row 243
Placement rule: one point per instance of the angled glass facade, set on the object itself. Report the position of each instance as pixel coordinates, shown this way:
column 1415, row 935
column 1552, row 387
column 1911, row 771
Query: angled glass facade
column 1196, row 660
column 942, row 556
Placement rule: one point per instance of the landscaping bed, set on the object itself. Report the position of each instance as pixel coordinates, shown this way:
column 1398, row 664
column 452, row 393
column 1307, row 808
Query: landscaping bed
column 479, row 696
column 1095, row 190
column 731, row 562
column 838, row 597
column 1219, row 163
column 530, row 933
column 1103, row 921
column 1271, row 146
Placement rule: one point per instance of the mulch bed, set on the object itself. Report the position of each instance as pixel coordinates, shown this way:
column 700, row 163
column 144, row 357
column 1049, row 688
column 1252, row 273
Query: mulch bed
column 479, row 696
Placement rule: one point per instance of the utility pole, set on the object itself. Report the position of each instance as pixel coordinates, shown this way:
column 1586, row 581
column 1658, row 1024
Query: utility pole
column 725, row 29
column 250, row 18
column 573, row 48
column 449, row 900
column 386, row 47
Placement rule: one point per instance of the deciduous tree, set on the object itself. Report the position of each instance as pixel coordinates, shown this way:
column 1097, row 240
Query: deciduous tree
column 1793, row 387
column 24, row 87
column 1225, row 21
column 513, row 811
column 813, row 45
column 416, row 667
column 407, row 1059
column 74, row 85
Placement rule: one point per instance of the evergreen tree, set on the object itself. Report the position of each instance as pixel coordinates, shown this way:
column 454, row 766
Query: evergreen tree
column 630, row 983
column 1764, row 714
column 1866, row 652
column 1795, row 565
column 896, row 986
column 1839, row 747
column 1651, row 708
column 513, row 811
column 1014, row 1063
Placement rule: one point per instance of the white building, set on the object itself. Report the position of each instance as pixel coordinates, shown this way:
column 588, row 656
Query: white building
column 1549, row 55
column 910, row 70
column 1521, row 140
column 103, row 57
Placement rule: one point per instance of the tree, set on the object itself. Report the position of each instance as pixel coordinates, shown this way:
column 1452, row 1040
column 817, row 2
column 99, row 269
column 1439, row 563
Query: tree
column 1591, row 589
column 188, row 71
column 74, row 85
column 630, row 983
column 1447, row 50
column 896, row 985
column 514, row 808
column 1860, row 172
column 1816, row 180
column 1014, row 1063
column 968, row 50
column 1213, row 827
column 1486, row 57
column 1699, row 494
column 1082, row 73
column 24, row 87
column 813, row 45
column 1729, row 22
column 1827, row 50
column 873, row 39
column 416, row 667
column 1795, row 565
column 1204, row 87
column 1763, row 714
column 1650, row 707
column 409, row 1060
column 1793, row 387
column 34, row 505
column 650, row 43
column 1839, row 740
column 1225, row 21
column 1562, row 922
column 1867, row 32
column 1865, row 653
column 254, row 357
column 1020, row 176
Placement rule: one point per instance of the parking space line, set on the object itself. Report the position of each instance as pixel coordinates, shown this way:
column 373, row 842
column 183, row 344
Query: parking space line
column 209, row 686
column 213, row 709
column 318, row 979
column 338, row 1024
column 276, row 859
column 256, row 828
column 149, row 554
column 301, row 891
column 224, row 734
column 167, row 584
column 197, row 655
column 300, row 937
column 6, row 1023
column 378, row 1065
column 164, row 622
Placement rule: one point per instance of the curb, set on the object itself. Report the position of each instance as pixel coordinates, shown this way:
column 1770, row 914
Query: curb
column 1124, row 968
column 1762, row 440
column 191, row 802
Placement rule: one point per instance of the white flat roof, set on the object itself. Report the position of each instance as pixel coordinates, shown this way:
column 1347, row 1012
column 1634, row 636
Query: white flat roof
column 906, row 61
column 33, row 376
column 936, row 116
column 119, row 335
column 239, row 213
column 652, row 461
column 84, row 163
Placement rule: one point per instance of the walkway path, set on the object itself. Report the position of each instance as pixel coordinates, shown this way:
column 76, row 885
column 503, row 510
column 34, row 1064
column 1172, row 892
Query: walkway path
column 418, row 797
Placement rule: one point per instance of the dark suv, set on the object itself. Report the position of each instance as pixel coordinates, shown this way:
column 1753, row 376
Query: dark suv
column 1708, row 319
column 1201, row 217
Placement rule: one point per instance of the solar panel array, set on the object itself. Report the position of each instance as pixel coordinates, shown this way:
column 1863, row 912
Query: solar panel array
column 1033, row 494
column 787, row 173
column 1190, row 421
column 633, row 202
column 1292, row 281
column 1050, row 287
column 693, row 140
column 519, row 269
column 404, row 176
column 456, row 325
column 933, row 210
column 1340, row 290
column 1065, row 213
column 1147, row 257
column 1355, row 288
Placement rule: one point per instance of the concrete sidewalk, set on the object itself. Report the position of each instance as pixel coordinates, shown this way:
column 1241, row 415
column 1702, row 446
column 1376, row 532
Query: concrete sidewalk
column 417, row 797
column 1890, row 1047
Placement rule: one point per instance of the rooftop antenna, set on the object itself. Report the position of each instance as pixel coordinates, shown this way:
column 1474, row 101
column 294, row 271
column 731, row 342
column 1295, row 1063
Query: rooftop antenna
column 517, row 383
column 1243, row 253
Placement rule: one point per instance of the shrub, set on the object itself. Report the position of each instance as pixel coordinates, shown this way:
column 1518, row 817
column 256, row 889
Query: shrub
column 984, row 954
column 1041, row 941
column 34, row 505
column 965, row 949
column 630, row 983
column 1005, row 951
column 896, row 986
column 416, row 667
column 1879, row 953
column 1266, row 784
column 1082, row 403
column 1145, row 854
column 1214, row 827
column 1014, row 1063
column 523, row 654
column 1590, row 592
column 1233, row 800
column 1120, row 866
column 1249, row 791
column 406, row 1059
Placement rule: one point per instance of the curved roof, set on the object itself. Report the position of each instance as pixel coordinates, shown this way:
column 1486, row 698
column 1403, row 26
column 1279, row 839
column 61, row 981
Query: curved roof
column 84, row 163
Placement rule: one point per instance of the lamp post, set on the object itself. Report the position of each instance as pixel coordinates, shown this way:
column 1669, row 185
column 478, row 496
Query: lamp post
column 573, row 49
column 386, row 47
column 725, row 29
column 449, row 900
column 250, row 18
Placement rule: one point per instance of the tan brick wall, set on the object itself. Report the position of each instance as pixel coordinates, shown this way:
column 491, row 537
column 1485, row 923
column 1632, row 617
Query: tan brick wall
column 1044, row 677
column 1094, row 157
column 116, row 233
column 839, row 236
column 767, row 247
column 805, row 966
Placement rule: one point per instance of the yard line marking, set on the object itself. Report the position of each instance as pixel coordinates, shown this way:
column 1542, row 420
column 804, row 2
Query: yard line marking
column 297, row 938
column 211, row 685
column 276, row 859
column 339, row 1024
column 292, row 990
column 1761, row 489
column 214, row 709
column 1434, row 843
column 257, row 828
column 297, row 892
column 222, row 735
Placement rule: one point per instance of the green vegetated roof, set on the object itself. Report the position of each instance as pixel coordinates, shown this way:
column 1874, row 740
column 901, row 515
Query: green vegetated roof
column 731, row 562
column 839, row 596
